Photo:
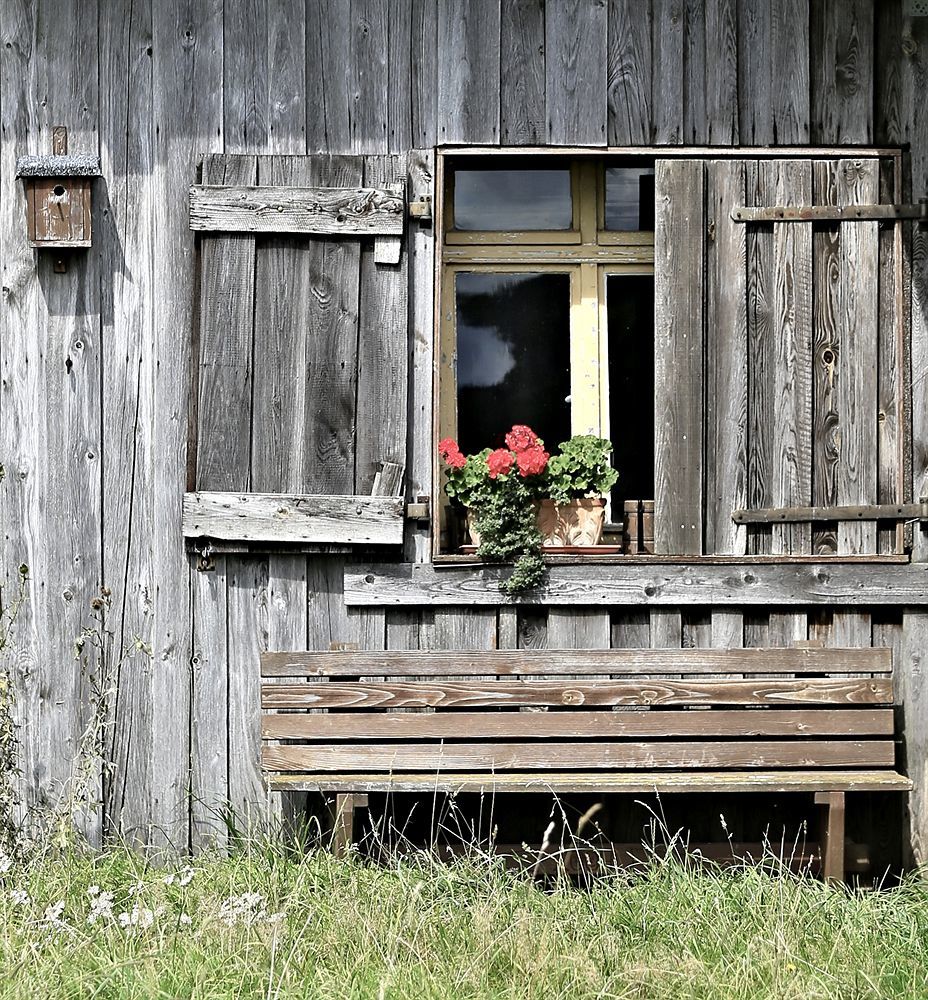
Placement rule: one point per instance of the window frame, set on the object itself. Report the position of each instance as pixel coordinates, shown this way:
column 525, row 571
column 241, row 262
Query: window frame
column 611, row 251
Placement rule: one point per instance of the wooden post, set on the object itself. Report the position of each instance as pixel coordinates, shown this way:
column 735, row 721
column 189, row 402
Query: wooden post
column 343, row 828
column 832, row 835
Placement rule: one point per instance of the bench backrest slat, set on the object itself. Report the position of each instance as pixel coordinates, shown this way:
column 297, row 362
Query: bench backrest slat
column 501, row 663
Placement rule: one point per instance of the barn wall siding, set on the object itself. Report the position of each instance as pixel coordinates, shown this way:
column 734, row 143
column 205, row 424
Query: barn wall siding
column 95, row 362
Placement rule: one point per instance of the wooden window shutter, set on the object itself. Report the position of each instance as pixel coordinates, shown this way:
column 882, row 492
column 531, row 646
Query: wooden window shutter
column 299, row 423
column 779, row 360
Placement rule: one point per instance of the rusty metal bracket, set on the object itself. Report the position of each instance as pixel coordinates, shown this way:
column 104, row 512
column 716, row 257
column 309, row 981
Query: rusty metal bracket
column 832, row 213
column 421, row 208
column 866, row 512
column 418, row 511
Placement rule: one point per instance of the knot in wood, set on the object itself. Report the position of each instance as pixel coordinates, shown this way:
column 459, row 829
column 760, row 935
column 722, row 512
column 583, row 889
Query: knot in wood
column 572, row 697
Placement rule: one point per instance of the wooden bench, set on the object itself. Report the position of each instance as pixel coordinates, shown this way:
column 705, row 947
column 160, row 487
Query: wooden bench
column 809, row 720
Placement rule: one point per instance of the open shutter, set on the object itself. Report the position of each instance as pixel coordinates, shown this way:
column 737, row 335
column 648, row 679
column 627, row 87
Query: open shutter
column 300, row 421
column 778, row 358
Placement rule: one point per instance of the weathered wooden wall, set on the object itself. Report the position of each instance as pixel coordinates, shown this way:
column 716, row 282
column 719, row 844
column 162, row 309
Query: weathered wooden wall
column 95, row 363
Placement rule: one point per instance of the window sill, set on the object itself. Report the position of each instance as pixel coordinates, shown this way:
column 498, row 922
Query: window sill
column 617, row 559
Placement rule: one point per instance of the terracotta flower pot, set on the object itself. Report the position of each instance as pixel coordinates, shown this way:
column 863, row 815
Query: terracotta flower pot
column 579, row 522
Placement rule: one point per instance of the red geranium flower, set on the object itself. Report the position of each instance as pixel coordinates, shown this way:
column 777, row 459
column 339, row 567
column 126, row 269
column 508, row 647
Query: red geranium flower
column 447, row 446
column 521, row 438
column 455, row 459
column 532, row 461
column 499, row 462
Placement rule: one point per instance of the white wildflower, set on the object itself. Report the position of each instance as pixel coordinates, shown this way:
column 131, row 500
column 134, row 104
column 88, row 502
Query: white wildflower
column 186, row 876
column 137, row 889
column 93, row 890
column 139, row 918
column 53, row 914
column 185, row 920
column 19, row 897
column 245, row 909
column 6, row 863
column 276, row 918
column 170, row 879
column 102, row 906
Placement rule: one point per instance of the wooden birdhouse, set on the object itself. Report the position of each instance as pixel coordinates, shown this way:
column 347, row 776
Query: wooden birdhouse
column 58, row 196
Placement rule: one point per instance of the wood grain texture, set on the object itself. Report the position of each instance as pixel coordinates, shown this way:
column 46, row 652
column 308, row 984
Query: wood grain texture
column 576, row 36
column 575, row 661
column 261, row 517
column 726, row 360
column 383, row 347
column 512, row 756
column 468, row 71
column 318, row 211
column 497, row 725
column 842, row 71
column 522, row 73
column 678, row 360
column 552, row 782
column 748, row 585
column 476, row 693
column 629, row 73
column 667, row 95
column 720, row 39
column 226, row 332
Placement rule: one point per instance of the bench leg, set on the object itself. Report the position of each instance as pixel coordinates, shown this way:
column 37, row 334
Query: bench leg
column 832, row 835
column 343, row 829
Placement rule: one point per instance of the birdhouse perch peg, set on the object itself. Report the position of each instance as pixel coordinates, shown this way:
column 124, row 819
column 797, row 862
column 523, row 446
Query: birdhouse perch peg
column 58, row 196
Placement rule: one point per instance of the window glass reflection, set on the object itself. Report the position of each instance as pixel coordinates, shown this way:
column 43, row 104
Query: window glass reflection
column 513, row 356
column 629, row 198
column 512, row 200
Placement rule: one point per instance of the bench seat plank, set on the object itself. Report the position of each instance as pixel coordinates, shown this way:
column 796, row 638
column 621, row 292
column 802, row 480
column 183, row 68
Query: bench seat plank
column 475, row 693
column 635, row 722
column 639, row 782
column 547, row 755
column 515, row 662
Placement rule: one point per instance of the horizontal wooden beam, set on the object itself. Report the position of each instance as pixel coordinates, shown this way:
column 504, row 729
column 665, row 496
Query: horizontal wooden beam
column 554, row 662
column 860, row 512
column 269, row 517
column 829, row 213
column 694, row 583
column 473, row 693
column 310, row 211
column 500, row 725
column 643, row 783
column 619, row 756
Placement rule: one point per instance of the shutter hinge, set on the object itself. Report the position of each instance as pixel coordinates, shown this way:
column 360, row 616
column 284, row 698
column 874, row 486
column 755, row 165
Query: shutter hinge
column 865, row 512
column 833, row 213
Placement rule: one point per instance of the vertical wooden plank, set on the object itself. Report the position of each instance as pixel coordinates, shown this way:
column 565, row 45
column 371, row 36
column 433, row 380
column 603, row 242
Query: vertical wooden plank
column 755, row 72
column 629, row 73
column 331, row 21
column 226, row 332
column 419, row 438
column 790, row 183
column 468, row 71
column 576, row 36
column 579, row 628
column 424, row 74
column 124, row 230
column 760, row 357
column 248, row 626
column 281, row 332
column 187, row 44
column 209, row 734
column 789, row 71
column 332, row 347
column 522, row 73
column 244, row 77
column 667, row 74
column 678, row 362
column 842, row 71
column 367, row 79
column 666, row 628
column 382, row 347
column 726, row 360
column 329, row 620
column 721, row 66
column 894, row 93
column 400, row 88
column 631, row 629
column 695, row 70
column 287, row 629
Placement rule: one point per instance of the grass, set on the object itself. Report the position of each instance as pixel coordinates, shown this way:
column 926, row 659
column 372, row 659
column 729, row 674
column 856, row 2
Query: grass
column 266, row 923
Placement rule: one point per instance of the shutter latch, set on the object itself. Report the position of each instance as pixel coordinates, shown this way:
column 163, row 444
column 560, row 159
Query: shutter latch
column 833, row 213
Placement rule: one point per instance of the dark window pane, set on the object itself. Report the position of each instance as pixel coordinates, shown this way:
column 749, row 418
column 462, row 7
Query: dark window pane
column 630, row 307
column 512, row 200
column 630, row 198
column 513, row 356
